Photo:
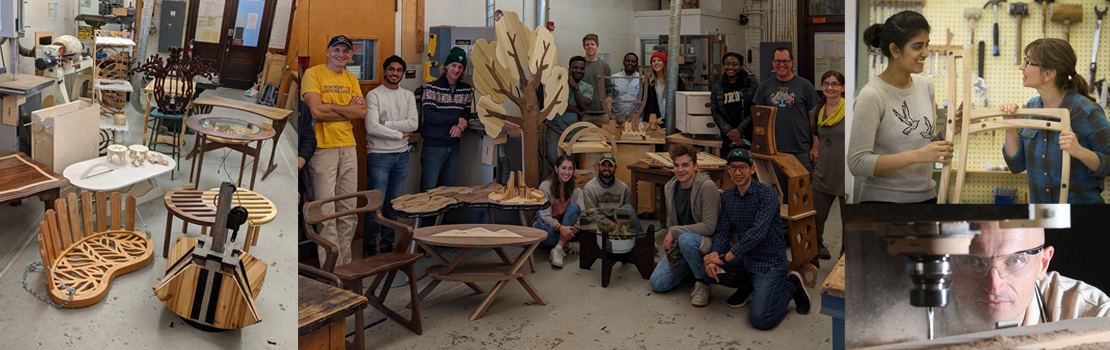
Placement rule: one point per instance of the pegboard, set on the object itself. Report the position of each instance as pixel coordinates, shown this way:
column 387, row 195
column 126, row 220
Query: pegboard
column 1001, row 75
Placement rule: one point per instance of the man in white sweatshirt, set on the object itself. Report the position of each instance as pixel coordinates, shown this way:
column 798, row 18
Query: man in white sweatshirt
column 390, row 120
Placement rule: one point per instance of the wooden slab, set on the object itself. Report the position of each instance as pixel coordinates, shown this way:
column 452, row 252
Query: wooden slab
column 319, row 305
column 268, row 112
column 705, row 159
column 21, row 177
column 476, row 232
column 834, row 284
column 23, row 83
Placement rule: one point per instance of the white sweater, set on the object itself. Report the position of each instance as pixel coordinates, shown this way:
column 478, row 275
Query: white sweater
column 397, row 109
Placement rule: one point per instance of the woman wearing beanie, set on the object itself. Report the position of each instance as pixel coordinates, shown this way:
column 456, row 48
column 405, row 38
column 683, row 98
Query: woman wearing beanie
column 1049, row 67
column 892, row 145
column 657, row 87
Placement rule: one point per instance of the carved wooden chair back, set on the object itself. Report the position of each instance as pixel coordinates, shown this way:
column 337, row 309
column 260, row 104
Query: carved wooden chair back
column 173, row 79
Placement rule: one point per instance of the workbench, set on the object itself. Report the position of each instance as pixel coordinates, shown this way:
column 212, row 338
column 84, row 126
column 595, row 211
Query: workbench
column 321, row 314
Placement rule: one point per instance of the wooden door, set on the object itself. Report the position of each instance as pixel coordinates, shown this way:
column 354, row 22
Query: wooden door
column 232, row 36
column 816, row 20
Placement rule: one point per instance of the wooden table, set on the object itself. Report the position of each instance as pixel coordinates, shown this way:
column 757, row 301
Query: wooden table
column 219, row 140
column 22, row 177
column 469, row 272
column 279, row 116
column 199, row 207
column 832, row 302
column 713, row 142
column 660, row 176
column 321, row 314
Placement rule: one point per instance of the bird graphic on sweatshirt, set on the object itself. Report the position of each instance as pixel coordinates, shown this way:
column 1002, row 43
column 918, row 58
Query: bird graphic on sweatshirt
column 928, row 133
column 905, row 118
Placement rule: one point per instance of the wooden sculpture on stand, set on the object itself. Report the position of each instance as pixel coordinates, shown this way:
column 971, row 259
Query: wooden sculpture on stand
column 499, row 75
column 517, row 192
column 798, row 209
column 171, row 92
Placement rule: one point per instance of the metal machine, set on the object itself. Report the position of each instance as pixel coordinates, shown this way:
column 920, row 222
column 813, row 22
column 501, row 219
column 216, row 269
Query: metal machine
column 63, row 60
column 926, row 238
column 15, row 120
column 443, row 39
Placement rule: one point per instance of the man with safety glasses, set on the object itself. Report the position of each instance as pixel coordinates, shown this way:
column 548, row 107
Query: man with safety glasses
column 1005, row 278
column 794, row 97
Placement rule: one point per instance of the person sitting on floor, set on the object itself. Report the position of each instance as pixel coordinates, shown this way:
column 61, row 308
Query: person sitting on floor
column 566, row 204
column 605, row 191
column 756, row 266
column 692, row 203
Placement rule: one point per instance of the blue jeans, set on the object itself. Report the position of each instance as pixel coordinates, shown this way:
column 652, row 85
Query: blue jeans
column 570, row 217
column 438, row 166
column 666, row 277
column 772, row 294
column 385, row 172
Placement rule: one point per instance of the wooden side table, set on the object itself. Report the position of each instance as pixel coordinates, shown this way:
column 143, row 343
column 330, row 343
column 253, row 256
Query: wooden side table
column 321, row 314
column 279, row 116
column 211, row 139
column 22, row 177
column 469, row 272
column 199, row 207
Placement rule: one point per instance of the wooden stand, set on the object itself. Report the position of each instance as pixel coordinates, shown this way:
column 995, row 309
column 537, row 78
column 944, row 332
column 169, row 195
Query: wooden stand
column 82, row 250
column 642, row 254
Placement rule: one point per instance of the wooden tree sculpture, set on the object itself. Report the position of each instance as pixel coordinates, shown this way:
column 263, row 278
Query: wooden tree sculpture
column 514, row 68
column 173, row 98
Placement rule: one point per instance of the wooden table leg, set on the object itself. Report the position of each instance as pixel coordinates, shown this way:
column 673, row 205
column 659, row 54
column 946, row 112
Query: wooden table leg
column 489, row 300
column 524, row 222
column 279, row 126
column 242, row 164
column 48, row 197
column 517, row 264
column 166, row 242
column 200, row 160
column 254, row 171
column 634, row 187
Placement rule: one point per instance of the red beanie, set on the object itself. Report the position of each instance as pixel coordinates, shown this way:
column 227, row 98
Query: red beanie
column 661, row 55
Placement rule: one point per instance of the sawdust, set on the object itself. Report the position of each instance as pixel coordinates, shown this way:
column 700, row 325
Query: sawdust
column 231, row 129
column 1004, row 342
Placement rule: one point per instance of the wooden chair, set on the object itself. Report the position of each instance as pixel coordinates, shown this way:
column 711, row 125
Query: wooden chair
column 83, row 248
column 383, row 267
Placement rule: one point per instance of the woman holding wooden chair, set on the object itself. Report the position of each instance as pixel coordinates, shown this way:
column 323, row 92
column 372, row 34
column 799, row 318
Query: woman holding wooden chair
column 566, row 205
column 893, row 134
column 1049, row 68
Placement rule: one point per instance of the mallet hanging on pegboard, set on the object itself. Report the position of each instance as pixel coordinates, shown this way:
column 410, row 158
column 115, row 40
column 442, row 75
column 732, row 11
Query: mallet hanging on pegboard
column 1094, row 51
column 1019, row 9
column 1044, row 16
column 1067, row 14
column 995, row 4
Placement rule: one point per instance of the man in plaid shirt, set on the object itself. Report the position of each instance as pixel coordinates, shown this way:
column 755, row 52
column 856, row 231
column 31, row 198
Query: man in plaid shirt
column 756, row 265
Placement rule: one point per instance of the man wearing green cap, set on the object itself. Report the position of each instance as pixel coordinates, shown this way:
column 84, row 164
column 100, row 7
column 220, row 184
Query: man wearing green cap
column 334, row 97
column 756, row 266
column 446, row 106
column 605, row 191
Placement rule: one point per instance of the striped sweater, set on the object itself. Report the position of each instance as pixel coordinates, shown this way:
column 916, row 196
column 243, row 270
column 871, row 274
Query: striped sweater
column 442, row 109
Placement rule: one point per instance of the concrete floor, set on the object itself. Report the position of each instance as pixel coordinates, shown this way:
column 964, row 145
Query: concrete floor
column 131, row 315
column 581, row 314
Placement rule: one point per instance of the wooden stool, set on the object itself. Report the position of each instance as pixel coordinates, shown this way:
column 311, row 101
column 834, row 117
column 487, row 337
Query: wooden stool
column 199, row 207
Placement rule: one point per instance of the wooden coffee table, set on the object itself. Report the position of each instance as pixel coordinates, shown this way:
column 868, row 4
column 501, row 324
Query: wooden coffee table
column 470, row 272
column 22, row 177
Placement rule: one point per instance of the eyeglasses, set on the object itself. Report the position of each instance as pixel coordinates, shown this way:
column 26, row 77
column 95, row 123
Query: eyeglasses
column 978, row 265
column 1027, row 63
column 782, row 62
column 827, row 84
column 741, row 167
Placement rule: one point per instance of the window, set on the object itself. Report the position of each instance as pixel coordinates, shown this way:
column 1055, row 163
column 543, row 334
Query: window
column 365, row 59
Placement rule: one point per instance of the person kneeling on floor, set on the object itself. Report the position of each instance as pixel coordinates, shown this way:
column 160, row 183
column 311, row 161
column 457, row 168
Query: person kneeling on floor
column 692, row 201
column 756, row 266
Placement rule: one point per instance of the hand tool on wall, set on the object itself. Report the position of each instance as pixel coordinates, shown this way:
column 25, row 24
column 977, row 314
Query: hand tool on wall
column 1044, row 16
column 1019, row 9
column 1100, row 89
column 935, row 59
column 994, row 3
column 1067, row 14
column 971, row 13
column 980, row 83
column 1094, row 51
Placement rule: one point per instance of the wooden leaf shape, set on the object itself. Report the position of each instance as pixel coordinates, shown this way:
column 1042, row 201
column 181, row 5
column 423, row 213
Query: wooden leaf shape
column 487, row 70
column 544, row 55
column 493, row 124
column 513, row 39
column 556, row 92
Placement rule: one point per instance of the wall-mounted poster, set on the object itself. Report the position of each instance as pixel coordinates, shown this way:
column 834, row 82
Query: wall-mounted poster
column 210, row 21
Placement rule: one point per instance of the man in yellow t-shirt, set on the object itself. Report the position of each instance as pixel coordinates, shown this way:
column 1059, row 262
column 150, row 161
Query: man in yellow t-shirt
column 334, row 97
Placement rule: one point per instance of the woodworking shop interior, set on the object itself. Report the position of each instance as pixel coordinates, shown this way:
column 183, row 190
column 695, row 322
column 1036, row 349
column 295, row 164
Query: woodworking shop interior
column 78, row 83
column 953, row 25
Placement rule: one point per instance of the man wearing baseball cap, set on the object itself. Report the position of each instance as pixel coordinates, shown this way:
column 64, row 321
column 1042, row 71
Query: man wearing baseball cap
column 605, row 191
column 756, row 266
column 334, row 98
column 446, row 105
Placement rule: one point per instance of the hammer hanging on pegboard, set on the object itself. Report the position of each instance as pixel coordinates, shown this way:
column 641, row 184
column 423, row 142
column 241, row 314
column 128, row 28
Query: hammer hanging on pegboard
column 994, row 3
column 1019, row 9
column 1094, row 51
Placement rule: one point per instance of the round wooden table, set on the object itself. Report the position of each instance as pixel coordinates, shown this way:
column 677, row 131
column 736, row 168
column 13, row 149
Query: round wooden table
column 212, row 139
column 469, row 272
column 199, row 207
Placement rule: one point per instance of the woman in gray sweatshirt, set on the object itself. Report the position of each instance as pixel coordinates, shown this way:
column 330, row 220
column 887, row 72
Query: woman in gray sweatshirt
column 892, row 144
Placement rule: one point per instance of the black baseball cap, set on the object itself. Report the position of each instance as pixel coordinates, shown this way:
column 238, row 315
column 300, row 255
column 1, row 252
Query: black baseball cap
column 340, row 39
column 741, row 155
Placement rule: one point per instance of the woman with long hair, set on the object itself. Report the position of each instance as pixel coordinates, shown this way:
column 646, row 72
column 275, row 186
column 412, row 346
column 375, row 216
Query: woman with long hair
column 657, row 87
column 566, row 205
column 892, row 143
column 1049, row 68
column 826, row 123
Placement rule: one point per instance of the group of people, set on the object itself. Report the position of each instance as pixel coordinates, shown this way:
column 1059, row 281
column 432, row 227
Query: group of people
column 894, row 141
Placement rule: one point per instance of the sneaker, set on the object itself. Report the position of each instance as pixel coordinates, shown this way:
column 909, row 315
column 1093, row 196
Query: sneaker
column 741, row 297
column 557, row 256
column 700, row 296
column 573, row 248
column 823, row 251
column 801, row 296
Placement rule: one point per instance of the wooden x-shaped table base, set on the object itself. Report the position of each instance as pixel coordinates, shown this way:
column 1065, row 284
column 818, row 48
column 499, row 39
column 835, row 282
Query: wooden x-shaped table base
column 469, row 272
